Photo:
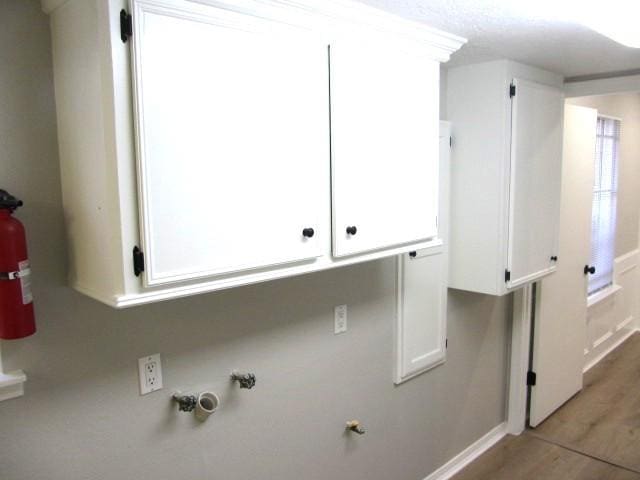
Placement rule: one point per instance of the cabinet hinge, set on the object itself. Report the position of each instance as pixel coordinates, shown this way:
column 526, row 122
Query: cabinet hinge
column 531, row 379
column 512, row 90
column 138, row 261
column 446, row 343
column 450, row 142
column 507, row 275
column 126, row 26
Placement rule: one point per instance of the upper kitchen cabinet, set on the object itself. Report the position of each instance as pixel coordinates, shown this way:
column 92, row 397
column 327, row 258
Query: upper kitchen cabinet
column 205, row 145
column 384, row 146
column 505, row 175
column 232, row 132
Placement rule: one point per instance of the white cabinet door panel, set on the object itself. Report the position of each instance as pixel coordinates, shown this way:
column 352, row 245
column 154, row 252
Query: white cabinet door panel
column 535, row 180
column 384, row 147
column 232, row 135
column 422, row 308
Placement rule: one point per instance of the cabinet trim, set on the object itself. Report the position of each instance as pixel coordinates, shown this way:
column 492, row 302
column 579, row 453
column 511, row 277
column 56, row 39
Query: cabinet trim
column 345, row 12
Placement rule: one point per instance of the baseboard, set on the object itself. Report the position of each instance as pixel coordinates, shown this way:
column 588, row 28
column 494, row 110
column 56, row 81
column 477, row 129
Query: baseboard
column 592, row 363
column 469, row 454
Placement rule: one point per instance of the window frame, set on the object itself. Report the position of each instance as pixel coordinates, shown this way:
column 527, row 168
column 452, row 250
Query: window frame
column 601, row 293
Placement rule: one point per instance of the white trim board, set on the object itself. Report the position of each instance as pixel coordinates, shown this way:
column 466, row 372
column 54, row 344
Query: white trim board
column 519, row 361
column 469, row 454
column 609, row 349
column 603, row 86
column 348, row 12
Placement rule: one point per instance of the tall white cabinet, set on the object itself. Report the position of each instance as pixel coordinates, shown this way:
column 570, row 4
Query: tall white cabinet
column 206, row 145
column 421, row 318
column 505, row 175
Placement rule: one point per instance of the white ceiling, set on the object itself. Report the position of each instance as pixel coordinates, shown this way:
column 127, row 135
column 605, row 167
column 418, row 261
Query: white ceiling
column 506, row 29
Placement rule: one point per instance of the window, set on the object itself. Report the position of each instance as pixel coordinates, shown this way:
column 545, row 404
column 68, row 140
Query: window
column 603, row 214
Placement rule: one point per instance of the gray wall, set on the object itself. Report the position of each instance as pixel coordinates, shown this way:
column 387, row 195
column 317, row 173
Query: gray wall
column 627, row 108
column 82, row 417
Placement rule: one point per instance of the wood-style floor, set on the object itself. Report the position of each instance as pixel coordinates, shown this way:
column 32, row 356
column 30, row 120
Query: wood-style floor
column 594, row 436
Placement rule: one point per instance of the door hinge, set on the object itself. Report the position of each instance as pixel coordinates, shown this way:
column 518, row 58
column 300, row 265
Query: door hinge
column 138, row 261
column 512, row 90
column 507, row 275
column 531, row 379
column 126, row 26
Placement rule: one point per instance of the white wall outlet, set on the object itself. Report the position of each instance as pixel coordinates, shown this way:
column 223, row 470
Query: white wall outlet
column 340, row 319
column 150, row 373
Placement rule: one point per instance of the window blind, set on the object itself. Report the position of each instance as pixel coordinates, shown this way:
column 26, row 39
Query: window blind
column 603, row 213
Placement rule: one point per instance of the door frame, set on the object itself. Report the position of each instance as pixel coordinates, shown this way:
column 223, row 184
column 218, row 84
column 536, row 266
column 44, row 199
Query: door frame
column 522, row 298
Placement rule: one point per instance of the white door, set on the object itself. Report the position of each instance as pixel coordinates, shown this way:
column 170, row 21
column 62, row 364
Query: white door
column 560, row 323
column 384, row 147
column 233, row 141
column 536, row 153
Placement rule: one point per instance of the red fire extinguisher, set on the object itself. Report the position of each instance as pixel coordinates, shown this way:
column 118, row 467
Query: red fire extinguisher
column 16, row 302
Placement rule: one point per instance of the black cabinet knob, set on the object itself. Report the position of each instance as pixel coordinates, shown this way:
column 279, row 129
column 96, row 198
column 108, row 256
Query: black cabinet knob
column 307, row 232
column 413, row 254
column 588, row 269
column 352, row 230
column 554, row 258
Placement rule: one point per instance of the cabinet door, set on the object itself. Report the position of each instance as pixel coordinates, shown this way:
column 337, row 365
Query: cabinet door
column 422, row 313
column 534, row 196
column 384, row 147
column 232, row 136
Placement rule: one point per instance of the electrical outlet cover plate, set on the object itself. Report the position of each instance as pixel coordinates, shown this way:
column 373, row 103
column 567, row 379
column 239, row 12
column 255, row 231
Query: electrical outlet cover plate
column 340, row 319
column 150, row 373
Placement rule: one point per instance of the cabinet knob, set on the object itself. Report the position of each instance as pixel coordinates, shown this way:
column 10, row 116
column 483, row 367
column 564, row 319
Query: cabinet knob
column 554, row 258
column 307, row 232
column 352, row 230
column 588, row 269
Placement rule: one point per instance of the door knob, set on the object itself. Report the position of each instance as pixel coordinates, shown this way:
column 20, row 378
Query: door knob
column 307, row 232
column 352, row 230
column 588, row 269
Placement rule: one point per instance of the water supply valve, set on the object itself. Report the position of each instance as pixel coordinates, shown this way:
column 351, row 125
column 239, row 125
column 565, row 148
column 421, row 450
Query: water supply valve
column 246, row 380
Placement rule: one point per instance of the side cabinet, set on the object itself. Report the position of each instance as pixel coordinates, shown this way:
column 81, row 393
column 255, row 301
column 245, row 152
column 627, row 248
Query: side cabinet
column 505, row 176
column 207, row 145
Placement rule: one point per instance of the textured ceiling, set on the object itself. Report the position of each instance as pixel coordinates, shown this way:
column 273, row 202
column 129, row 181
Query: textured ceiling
column 505, row 29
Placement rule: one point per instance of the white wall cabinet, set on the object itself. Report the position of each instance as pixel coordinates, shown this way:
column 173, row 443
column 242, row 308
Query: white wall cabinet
column 224, row 145
column 505, row 176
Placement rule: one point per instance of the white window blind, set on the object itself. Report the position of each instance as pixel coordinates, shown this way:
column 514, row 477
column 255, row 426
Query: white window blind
column 605, row 193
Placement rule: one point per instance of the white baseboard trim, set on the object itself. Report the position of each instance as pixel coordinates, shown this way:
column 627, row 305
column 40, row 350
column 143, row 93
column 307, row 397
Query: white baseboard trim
column 602, row 339
column 469, row 454
column 592, row 363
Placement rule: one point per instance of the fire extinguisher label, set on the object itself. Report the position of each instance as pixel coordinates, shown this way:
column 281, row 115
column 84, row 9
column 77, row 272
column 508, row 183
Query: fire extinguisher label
column 25, row 282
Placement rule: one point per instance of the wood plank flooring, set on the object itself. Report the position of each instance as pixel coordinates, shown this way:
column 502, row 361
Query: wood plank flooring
column 595, row 435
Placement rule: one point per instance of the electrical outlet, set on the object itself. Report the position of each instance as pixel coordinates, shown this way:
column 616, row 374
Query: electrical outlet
column 340, row 319
column 150, row 373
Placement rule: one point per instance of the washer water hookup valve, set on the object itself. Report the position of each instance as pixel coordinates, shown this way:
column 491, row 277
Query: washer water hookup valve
column 354, row 426
column 186, row 403
column 246, row 380
column 204, row 404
